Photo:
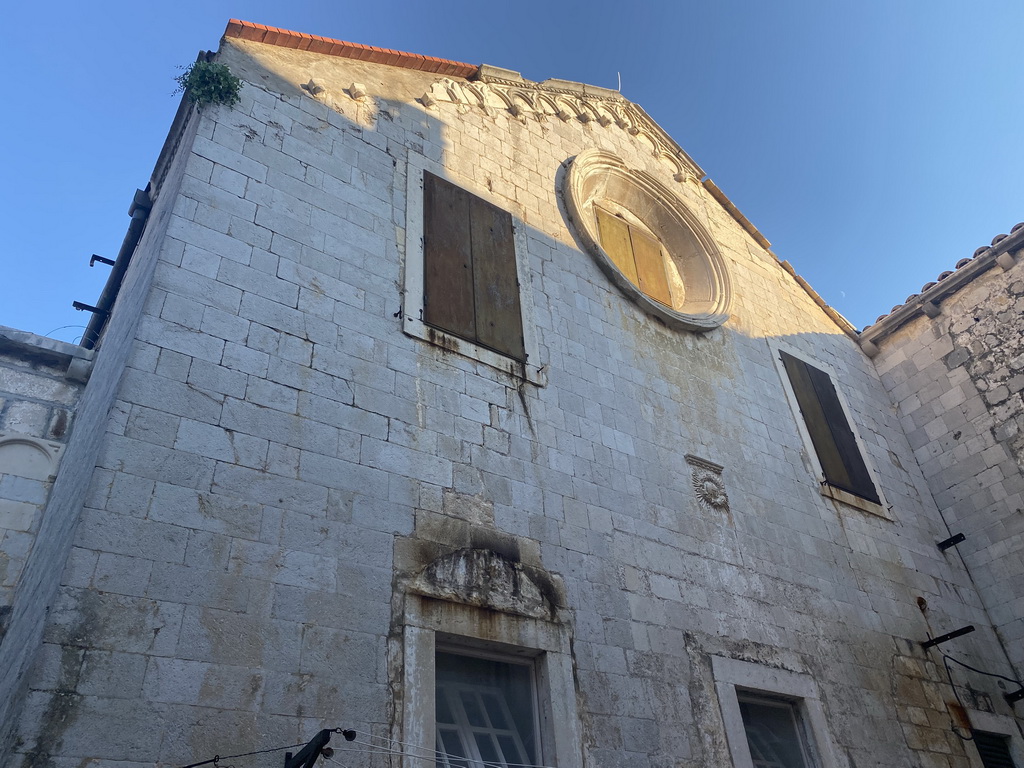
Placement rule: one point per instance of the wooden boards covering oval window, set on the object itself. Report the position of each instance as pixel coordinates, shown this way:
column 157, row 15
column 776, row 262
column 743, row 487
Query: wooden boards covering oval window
column 638, row 255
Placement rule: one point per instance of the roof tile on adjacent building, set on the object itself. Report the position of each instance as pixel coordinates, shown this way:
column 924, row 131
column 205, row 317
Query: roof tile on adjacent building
column 946, row 283
column 978, row 253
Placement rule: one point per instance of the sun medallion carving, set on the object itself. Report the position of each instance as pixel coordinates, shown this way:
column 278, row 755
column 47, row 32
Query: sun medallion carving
column 708, row 484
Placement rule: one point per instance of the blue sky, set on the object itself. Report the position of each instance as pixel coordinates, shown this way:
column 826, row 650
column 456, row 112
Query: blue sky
column 875, row 143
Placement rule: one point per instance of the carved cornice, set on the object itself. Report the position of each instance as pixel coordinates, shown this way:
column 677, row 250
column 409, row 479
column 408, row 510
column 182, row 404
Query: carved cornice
column 697, row 461
column 496, row 90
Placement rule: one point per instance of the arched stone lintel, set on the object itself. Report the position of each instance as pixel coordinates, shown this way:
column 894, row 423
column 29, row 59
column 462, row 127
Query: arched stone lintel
column 487, row 579
column 27, row 456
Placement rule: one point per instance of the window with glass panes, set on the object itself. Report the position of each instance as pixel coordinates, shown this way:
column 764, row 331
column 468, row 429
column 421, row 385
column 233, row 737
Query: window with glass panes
column 775, row 733
column 485, row 712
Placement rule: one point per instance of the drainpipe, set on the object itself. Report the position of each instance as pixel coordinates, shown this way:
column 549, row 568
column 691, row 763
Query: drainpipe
column 139, row 211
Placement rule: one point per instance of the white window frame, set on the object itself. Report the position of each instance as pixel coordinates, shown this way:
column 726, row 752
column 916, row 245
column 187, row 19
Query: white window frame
column 732, row 675
column 792, row 711
column 458, row 711
column 432, row 625
column 1000, row 725
column 412, row 304
column 828, row 490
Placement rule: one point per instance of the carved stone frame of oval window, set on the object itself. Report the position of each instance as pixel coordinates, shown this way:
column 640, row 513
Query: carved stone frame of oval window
column 594, row 176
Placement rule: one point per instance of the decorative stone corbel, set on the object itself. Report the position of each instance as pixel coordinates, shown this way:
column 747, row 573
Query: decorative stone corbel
column 312, row 88
column 1006, row 260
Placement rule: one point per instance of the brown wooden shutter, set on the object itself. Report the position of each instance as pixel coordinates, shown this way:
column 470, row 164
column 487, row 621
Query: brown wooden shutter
column 650, row 266
column 830, row 432
column 499, row 318
column 614, row 234
column 448, row 296
column 470, row 283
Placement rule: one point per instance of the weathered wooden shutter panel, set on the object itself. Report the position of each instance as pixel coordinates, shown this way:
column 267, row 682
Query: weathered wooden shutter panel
column 448, row 296
column 650, row 266
column 856, row 471
column 614, row 233
column 814, row 419
column 830, row 432
column 499, row 318
column 993, row 749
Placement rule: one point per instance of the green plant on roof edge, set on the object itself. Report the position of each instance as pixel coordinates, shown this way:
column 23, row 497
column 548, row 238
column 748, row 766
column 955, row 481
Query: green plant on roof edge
column 207, row 82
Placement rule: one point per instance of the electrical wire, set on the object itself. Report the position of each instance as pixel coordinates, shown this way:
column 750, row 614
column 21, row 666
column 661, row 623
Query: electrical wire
column 217, row 758
column 332, row 760
column 433, row 757
column 428, row 754
column 946, row 658
column 63, row 327
column 982, row 672
column 425, row 753
column 956, row 694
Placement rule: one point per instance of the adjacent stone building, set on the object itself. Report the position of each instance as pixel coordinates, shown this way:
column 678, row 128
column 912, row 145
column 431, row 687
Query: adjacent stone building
column 466, row 413
column 952, row 359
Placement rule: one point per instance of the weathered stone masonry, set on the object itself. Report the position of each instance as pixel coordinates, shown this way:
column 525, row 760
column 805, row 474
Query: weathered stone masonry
column 286, row 503
column 38, row 395
column 957, row 379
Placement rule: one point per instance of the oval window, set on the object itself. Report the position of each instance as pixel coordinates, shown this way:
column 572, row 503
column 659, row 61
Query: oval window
column 647, row 241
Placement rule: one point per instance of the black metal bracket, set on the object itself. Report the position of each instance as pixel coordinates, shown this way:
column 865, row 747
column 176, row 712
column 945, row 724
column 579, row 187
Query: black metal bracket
column 88, row 308
column 1014, row 697
column 952, row 541
column 308, row 754
column 101, row 259
column 933, row 641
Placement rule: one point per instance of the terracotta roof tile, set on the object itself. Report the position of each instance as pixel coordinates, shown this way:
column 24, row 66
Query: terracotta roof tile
column 246, row 30
column 948, row 273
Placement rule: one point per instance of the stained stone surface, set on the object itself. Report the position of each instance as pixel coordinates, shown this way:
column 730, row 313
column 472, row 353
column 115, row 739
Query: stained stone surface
column 263, row 460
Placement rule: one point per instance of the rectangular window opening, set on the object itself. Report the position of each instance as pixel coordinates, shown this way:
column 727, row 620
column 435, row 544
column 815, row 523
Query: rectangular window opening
column 832, row 436
column 485, row 712
column 470, row 283
column 775, row 732
column 994, row 749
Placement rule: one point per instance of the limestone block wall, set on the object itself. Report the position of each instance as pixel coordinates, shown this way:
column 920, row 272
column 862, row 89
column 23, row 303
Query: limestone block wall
column 283, row 468
column 957, row 380
column 37, row 407
column 37, row 595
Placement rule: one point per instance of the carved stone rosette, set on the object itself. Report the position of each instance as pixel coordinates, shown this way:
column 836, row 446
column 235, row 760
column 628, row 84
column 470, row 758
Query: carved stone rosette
column 708, row 484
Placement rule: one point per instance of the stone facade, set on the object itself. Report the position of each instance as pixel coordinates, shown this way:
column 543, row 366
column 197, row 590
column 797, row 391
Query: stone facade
column 37, row 405
column 957, row 380
column 290, row 497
